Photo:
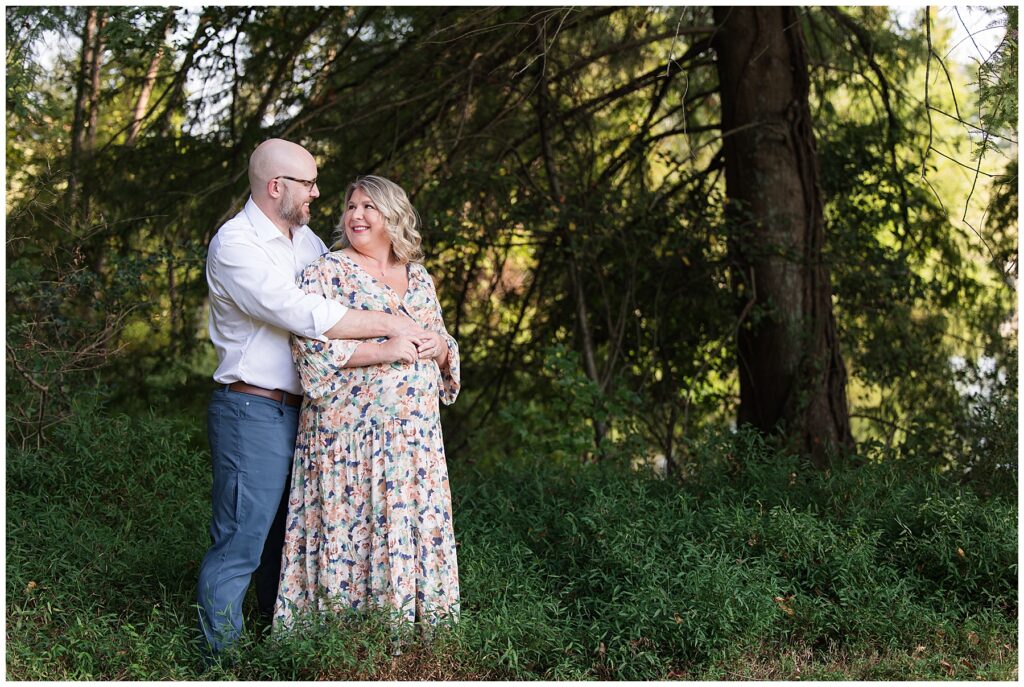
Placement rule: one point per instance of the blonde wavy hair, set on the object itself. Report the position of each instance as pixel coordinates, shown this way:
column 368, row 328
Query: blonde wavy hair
column 400, row 218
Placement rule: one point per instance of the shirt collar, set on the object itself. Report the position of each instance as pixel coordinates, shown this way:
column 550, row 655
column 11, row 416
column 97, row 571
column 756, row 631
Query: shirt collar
column 265, row 229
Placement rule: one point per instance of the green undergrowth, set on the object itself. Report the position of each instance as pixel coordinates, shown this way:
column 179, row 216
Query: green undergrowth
column 757, row 568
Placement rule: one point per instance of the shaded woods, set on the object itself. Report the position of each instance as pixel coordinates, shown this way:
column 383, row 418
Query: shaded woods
column 775, row 242
column 573, row 168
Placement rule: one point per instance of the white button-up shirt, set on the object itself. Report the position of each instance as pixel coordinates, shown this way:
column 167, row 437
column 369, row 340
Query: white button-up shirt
column 252, row 271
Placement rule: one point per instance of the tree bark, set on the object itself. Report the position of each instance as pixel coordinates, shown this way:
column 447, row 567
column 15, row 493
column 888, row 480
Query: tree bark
column 143, row 100
column 792, row 377
column 149, row 81
column 78, row 124
column 89, row 144
column 94, row 82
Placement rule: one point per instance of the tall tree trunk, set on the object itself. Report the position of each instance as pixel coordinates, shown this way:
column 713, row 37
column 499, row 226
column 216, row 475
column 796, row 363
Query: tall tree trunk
column 149, row 81
column 94, row 82
column 791, row 374
column 82, row 85
column 143, row 100
column 93, row 109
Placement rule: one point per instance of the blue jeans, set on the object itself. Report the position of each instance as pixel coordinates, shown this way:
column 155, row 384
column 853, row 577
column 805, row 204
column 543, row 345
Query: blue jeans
column 252, row 440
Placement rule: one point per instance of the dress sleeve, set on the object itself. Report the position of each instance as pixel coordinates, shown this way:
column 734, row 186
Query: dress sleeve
column 451, row 379
column 320, row 363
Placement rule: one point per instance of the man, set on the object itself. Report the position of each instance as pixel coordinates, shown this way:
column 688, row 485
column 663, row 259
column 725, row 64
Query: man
column 252, row 267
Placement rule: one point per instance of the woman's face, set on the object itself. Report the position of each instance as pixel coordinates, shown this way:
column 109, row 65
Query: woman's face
column 364, row 223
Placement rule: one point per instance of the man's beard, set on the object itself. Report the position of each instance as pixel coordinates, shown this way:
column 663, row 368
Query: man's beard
column 291, row 212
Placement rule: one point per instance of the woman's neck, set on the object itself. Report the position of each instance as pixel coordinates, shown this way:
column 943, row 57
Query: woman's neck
column 377, row 258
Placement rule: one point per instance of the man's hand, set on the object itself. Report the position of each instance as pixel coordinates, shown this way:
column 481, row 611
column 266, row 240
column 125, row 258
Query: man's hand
column 405, row 326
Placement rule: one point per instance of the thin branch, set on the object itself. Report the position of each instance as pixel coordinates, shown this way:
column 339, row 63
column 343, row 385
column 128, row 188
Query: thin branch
column 949, row 80
column 972, row 126
column 25, row 373
column 966, row 166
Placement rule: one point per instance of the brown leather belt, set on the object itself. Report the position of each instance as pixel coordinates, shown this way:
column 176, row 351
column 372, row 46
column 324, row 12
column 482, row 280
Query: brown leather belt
column 272, row 394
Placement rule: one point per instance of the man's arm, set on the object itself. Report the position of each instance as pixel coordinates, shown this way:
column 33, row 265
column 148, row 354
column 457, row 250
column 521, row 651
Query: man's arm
column 262, row 293
column 241, row 273
column 367, row 324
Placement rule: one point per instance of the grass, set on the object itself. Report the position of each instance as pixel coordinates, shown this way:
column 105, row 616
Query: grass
column 768, row 570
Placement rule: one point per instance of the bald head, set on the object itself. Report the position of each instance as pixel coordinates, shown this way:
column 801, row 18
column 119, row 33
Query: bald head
column 277, row 157
column 278, row 170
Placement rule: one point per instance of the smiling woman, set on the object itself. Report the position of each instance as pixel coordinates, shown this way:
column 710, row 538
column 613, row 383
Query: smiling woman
column 369, row 513
column 379, row 220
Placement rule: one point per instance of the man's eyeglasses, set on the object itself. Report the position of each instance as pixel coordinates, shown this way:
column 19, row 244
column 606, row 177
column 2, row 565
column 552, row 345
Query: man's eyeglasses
column 308, row 183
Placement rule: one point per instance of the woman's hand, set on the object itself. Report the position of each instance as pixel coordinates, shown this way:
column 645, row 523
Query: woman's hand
column 400, row 349
column 432, row 345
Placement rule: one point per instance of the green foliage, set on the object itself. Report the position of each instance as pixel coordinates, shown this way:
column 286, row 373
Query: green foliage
column 568, row 571
column 997, row 79
column 558, row 422
column 650, row 579
column 746, row 562
column 105, row 532
column 988, row 430
column 914, row 288
column 65, row 316
column 624, row 189
column 25, row 103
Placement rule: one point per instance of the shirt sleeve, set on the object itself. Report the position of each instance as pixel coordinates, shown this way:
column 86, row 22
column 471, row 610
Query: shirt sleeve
column 451, row 379
column 320, row 362
column 244, row 273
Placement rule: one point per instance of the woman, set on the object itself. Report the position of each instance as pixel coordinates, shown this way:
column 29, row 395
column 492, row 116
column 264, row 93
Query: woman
column 369, row 509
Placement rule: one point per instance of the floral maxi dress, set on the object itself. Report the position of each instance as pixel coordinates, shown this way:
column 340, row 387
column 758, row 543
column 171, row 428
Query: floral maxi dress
column 369, row 508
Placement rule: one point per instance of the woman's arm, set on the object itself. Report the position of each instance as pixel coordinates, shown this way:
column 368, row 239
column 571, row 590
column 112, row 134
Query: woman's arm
column 322, row 365
column 397, row 349
column 448, row 355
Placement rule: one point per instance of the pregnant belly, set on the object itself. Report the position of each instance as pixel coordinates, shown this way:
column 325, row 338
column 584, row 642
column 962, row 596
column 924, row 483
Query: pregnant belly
column 401, row 391
column 378, row 394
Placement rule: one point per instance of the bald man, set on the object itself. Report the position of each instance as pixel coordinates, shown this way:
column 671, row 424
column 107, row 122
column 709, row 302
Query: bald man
column 255, row 304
